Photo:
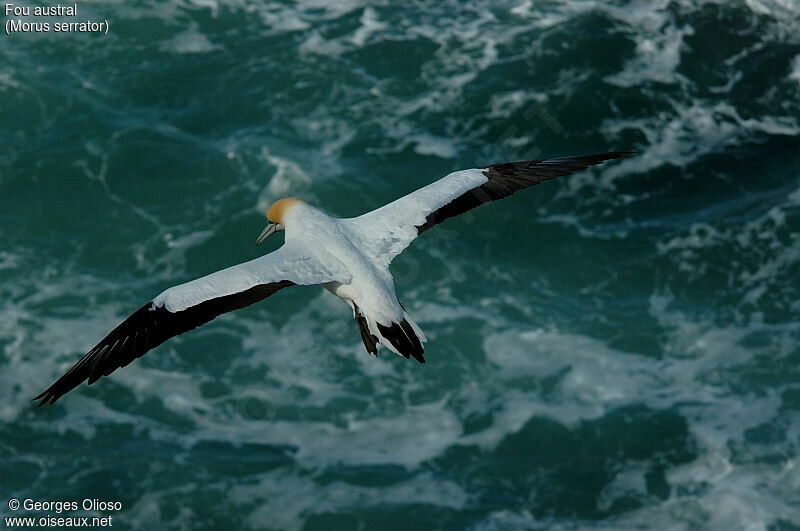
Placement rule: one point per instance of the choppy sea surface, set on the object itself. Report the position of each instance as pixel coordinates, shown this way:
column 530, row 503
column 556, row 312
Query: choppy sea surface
column 618, row 349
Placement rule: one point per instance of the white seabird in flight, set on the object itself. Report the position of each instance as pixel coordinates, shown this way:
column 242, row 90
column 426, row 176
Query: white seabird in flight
column 349, row 257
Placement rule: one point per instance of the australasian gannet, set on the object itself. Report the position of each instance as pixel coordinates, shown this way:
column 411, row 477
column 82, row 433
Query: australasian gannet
column 349, row 257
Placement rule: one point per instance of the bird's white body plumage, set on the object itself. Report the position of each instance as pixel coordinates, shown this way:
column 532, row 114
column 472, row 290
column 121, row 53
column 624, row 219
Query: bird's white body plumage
column 349, row 257
column 339, row 254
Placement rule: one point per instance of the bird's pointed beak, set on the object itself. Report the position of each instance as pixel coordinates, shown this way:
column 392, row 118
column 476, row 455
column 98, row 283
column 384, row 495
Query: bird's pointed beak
column 268, row 231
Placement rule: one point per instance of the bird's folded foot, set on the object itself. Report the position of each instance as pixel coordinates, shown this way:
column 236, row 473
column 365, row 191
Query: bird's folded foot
column 370, row 341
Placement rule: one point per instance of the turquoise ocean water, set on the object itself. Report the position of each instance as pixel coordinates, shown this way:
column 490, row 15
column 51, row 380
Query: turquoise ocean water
column 618, row 349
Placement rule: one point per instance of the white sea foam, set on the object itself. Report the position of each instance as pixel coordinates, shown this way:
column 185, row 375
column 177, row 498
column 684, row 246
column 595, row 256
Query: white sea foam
column 692, row 131
column 658, row 46
column 370, row 24
column 437, row 146
column 768, row 239
column 712, row 491
column 285, row 500
column 189, row 41
column 287, row 180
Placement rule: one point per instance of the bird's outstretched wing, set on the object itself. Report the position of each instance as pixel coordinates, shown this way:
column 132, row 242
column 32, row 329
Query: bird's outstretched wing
column 190, row 305
column 388, row 230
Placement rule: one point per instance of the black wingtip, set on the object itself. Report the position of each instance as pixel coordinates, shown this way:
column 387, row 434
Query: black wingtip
column 597, row 158
column 624, row 153
column 508, row 177
column 45, row 397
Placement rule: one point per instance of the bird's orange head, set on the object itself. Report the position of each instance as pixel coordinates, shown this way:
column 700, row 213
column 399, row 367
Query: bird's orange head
column 278, row 210
column 276, row 214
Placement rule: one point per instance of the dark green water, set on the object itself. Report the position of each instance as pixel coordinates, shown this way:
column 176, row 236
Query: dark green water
column 619, row 349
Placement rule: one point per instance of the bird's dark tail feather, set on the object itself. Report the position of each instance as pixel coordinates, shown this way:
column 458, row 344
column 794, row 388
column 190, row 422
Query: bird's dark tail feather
column 404, row 339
